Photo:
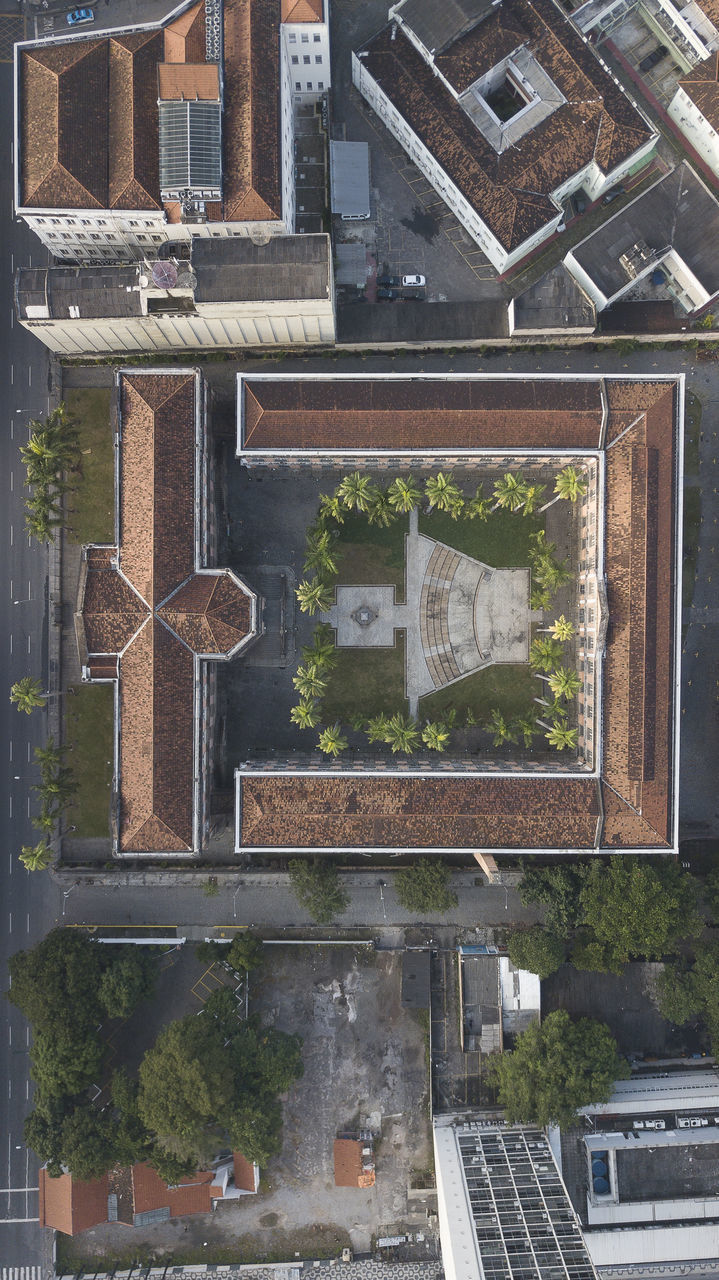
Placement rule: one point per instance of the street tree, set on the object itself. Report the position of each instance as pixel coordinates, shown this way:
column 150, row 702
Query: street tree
column 332, row 740
column 246, row 951
column 544, row 654
column 424, row 887
column 314, row 596
column 537, row 949
column 557, row 889
column 555, row 1068
column 502, row 730
column 186, row 1088
column 404, row 495
column 435, row 735
column 36, row 857
column 27, row 694
column 478, row 507
column 402, row 734
column 690, row 990
column 128, row 981
column 316, row 886
column 308, row 681
column 88, row 1140
column 638, row 909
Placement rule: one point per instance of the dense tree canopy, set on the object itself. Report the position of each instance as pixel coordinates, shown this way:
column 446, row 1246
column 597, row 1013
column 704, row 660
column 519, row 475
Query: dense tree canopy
column 539, row 950
column 637, row 909
column 317, row 888
column 424, row 887
column 688, row 991
column 557, row 889
column 186, row 1085
column 557, row 1067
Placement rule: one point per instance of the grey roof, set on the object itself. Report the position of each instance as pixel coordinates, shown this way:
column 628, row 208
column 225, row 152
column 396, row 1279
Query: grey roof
column 438, row 25
column 190, row 146
column 349, row 178
column 555, row 301
column 351, row 266
column 678, row 212
column 415, row 979
column 237, row 270
column 59, row 293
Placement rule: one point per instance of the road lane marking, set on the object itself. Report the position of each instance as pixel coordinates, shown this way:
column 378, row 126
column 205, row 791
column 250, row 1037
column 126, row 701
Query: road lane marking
column 10, row 861
column 12, row 374
column 11, row 750
column 28, row 921
column 9, row 1035
column 28, row 644
column 12, row 482
column 10, row 929
column 12, row 532
column 29, row 375
column 11, row 644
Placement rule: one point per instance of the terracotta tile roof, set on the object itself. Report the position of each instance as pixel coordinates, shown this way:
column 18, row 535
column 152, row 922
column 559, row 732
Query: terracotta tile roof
column 71, row 1206
column 88, row 123
column 210, row 613
column 199, row 81
column 244, row 1172
column 512, row 812
column 511, row 190
column 302, row 11
column 192, row 1196
column 416, row 414
column 348, row 1164
column 252, row 188
column 185, row 37
column 112, row 611
column 501, row 33
column 701, row 84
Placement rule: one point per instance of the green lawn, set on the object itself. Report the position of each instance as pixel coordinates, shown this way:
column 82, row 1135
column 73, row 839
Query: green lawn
column 89, row 730
column 92, row 514
column 368, row 554
column 503, row 541
column 366, row 682
column 692, row 521
column 509, row 688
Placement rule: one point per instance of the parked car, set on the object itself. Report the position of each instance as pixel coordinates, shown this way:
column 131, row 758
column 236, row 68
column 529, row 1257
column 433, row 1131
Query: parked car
column 612, row 194
column 78, row 16
column 388, row 282
column 414, row 297
column 653, row 58
column 413, row 282
column 387, row 295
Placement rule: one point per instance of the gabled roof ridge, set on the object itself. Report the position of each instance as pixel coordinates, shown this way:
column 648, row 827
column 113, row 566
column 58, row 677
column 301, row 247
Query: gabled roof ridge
column 153, row 818
column 639, row 817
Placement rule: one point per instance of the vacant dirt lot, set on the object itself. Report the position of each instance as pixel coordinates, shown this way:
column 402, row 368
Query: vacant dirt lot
column 364, row 1059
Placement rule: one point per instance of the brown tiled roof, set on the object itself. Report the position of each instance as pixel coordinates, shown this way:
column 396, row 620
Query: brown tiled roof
column 210, row 613
column 88, row 123
column 512, row 812
column 501, row 33
column 348, row 1164
column 69, row 1205
column 112, row 611
column 511, row 190
column 185, row 37
column 701, row 84
column 639, row 663
column 244, row 1172
column 198, row 81
column 192, row 1196
column 416, row 414
column 252, row 185
column 302, row 11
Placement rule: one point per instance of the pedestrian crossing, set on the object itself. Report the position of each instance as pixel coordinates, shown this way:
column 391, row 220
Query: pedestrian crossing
column 21, row 1273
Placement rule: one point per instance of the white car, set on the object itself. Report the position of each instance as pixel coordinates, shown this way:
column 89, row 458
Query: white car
column 413, row 282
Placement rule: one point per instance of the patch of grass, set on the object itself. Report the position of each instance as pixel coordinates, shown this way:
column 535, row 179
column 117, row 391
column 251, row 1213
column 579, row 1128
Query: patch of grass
column 692, row 428
column 509, row 688
column 692, row 521
column 368, row 554
column 89, row 729
column 503, row 541
column 318, row 1241
column 92, row 517
column 366, row 682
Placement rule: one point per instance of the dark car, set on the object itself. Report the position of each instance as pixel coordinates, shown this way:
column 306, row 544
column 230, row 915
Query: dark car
column 387, row 295
column 388, row 282
column 414, row 296
column 613, row 193
column 653, row 58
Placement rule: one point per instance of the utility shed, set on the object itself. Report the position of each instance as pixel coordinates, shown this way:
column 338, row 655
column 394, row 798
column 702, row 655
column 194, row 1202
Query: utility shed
column 349, row 179
column 415, row 979
column 354, row 1163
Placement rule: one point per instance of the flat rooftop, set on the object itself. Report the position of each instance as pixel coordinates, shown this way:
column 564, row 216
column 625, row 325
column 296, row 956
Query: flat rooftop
column 287, row 267
column 668, row 1173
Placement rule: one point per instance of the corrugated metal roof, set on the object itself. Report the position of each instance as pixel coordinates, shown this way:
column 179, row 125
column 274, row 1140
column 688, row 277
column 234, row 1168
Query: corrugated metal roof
column 349, row 179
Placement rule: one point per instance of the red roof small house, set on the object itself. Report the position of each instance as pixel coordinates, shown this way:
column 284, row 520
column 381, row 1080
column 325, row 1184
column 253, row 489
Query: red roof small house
column 354, row 1162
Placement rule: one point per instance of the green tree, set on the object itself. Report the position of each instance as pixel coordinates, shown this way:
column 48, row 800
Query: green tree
column 43, row 1132
column 27, row 694
column 510, row 491
column 564, row 683
column 306, row 714
column 255, row 1127
column 537, row 949
column 424, row 887
column 332, row 740
column 637, row 909
column 688, row 991
column 186, row 1088
column 402, row 734
column 36, row 857
column 568, row 485
column 478, row 507
column 590, row 955
column 539, row 597
column 561, row 737
column 318, row 556
column 544, row 654
column 403, row 494
column 356, row 491
column 526, row 726
column 127, row 981
column 435, row 735
column 441, row 492
column 551, row 574
column 89, row 1142
column 558, row 890
column 64, row 1062
column 502, row 730
column 562, row 629
column 314, row 596
column 331, row 508
column 50, row 757
column 380, row 510
column 309, row 682
column 555, row 1068
column 246, row 951
column 316, row 886
column 322, row 651
column 532, row 496
column 56, row 984
column 376, row 728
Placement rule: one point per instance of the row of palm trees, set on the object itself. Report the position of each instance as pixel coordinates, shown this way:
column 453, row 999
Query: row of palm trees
column 358, row 492
column 53, row 463
column 57, row 785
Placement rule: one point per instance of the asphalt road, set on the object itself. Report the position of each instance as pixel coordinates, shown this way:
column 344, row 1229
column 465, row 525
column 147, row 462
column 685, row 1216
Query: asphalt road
column 27, row 901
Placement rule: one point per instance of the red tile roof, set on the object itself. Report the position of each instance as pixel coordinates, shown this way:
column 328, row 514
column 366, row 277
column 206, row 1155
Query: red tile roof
column 69, row 1205
column 511, row 190
column 302, row 11
column 701, row 84
column 349, row 1171
column 252, row 184
column 210, row 612
column 192, row 1196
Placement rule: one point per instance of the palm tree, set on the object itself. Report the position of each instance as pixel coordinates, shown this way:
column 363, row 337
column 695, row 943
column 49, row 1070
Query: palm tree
column 49, row 757
column 441, row 492
column 568, row 485
column 308, row 682
column 36, row 857
column 539, row 597
column 478, row 507
column 560, row 737
column 562, row 629
column 435, row 735
column 402, row 734
column 306, row 714
column 27, row 693
column 555, row 710
column 332, row 740
column 331, row 508
column 322, row 653
column 551, row 574
column 319, row 555
column 564, row 683
column 403, row 494
column 380, row 511
column 355, row 490
column 502, row 730
column 46, row 819
column 544, row 654
column 42, row 517
column 314, row 596
column 532, row 495
column 376, row 728
column 510, row 491
column 526, row 725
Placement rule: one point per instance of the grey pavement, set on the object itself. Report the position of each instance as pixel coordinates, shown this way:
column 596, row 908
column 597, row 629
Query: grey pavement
column 360, row 1269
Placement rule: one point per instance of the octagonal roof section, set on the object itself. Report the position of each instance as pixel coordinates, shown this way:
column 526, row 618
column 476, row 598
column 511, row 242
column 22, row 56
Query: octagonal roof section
column 212, row 612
